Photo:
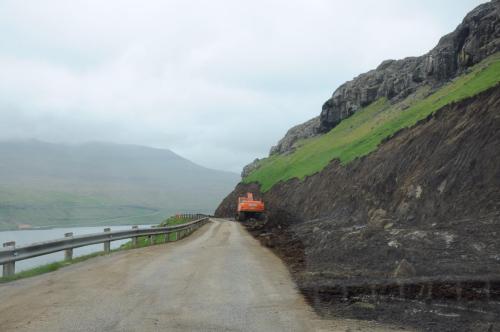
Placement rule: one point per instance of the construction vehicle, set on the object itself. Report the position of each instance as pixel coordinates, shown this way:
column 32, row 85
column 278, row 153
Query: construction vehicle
column 250, row 208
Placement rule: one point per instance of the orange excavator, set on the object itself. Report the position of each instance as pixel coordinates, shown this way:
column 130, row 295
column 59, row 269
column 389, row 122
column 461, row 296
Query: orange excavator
column 250, row 208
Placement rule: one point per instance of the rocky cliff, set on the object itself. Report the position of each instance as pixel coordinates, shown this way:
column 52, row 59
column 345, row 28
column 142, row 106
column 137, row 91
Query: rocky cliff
column 477, row 37
column 305, row 130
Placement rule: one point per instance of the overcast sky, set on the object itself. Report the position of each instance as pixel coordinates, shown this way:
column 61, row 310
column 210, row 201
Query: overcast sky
column 218, row 82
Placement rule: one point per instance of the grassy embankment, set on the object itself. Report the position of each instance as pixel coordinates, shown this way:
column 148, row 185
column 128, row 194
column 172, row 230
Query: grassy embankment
column 362, row 133
column 141, row 242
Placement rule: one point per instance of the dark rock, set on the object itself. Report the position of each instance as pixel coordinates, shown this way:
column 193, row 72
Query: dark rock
column 250, row 168
column 477, row 37
column 299, row 132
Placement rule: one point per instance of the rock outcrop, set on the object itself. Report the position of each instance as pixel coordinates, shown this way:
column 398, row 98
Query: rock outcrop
column 250, row 168
column 477, row 37
column 305, row 130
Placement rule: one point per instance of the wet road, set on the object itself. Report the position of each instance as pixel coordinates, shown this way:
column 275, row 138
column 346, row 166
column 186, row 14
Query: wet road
column 217, row 279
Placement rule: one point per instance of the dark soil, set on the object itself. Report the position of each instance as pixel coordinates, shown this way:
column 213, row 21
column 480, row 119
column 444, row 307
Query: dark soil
column 426, row 204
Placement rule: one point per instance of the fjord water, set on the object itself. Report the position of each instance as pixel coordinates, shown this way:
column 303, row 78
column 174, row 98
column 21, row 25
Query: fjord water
column 25, row 237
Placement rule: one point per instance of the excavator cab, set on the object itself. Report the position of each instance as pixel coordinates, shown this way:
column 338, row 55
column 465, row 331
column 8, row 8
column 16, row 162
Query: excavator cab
column 250, row 208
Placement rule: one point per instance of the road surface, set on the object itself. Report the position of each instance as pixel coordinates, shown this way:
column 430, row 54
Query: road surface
column 218, row 279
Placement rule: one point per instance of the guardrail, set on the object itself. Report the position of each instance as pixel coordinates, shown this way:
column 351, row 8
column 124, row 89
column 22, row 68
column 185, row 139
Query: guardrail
column 10, row 254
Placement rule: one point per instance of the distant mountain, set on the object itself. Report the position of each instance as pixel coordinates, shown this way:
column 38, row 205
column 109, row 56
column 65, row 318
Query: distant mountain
column 101, row 183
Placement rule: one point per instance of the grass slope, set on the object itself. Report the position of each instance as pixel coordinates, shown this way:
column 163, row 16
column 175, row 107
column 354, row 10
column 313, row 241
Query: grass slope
column 361, row 133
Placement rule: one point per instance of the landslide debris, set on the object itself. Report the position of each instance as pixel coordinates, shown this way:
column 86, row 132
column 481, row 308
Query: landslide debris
column 429, row 195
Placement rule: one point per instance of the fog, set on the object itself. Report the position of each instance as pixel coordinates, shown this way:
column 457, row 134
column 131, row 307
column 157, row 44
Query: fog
column 218, row 82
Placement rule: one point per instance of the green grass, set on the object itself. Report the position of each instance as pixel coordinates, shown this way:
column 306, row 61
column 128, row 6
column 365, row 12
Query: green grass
column 363, row 132
column 143, row 241
column 175, row 220
column 48, row 268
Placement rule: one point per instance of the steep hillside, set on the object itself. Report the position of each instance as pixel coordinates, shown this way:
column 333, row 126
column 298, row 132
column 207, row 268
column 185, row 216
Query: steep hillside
column 426, row 203
column 98, row 183
column 430, row 191
column 395, row 183
column 401, row 83
column 361, row 133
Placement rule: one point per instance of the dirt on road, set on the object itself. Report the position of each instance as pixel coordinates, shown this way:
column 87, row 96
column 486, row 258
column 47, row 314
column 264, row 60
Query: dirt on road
column 218, row 279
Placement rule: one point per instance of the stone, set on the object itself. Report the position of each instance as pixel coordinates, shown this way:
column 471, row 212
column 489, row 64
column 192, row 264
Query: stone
column 389, row 225
column 303, row 131
column 377, row 219
column 250, row 168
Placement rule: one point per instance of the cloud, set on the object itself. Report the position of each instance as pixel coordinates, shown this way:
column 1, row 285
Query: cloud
column 216, row 81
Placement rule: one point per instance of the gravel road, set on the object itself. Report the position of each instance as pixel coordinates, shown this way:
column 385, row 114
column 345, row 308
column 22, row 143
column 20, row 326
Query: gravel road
column 217, row 279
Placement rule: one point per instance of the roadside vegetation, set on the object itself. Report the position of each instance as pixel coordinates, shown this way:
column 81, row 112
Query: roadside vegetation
column 142, row 241
column 49, row 267
column 362, row 133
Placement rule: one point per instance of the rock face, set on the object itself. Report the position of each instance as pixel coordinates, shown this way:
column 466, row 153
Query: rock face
column 250, row 167
column 287, row 143
column 477, row 37
column 302, row 131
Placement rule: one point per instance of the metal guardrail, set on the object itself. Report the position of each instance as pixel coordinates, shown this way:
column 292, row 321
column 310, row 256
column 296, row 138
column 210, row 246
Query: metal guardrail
column 10, row 254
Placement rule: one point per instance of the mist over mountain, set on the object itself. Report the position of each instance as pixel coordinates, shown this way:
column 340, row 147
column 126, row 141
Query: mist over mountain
column 101, row 183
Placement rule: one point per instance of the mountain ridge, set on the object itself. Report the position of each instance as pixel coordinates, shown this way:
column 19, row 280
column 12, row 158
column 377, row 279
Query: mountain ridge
column 42, row 183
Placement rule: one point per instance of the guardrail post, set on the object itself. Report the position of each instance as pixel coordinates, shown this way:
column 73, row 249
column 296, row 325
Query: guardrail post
column 9, row 269
column 151, row 239
column 134, row 238
column 107, row 244
column 68, row 253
